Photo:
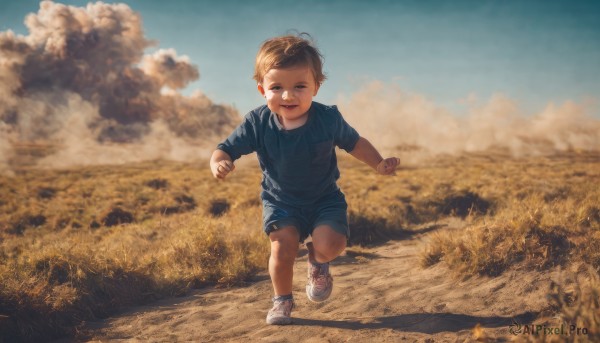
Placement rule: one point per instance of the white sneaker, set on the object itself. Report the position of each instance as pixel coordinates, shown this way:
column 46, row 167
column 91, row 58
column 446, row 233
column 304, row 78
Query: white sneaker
column 320, row 282
column 281, row 312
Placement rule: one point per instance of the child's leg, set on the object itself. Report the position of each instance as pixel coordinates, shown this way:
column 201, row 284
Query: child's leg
column 327, row 244
column 284, row 248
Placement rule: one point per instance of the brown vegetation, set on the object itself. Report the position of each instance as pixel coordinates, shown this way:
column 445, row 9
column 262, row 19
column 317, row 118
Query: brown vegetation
column 80, row 244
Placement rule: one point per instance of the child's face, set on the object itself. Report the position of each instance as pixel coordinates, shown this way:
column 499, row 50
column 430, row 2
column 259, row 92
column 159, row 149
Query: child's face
column 289, row 91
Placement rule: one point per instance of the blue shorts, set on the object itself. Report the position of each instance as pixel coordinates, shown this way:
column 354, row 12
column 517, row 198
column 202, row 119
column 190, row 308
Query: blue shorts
column 330, row 210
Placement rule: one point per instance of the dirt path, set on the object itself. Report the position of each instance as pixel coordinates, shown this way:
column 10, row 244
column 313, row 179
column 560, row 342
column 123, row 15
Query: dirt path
column 380, row 295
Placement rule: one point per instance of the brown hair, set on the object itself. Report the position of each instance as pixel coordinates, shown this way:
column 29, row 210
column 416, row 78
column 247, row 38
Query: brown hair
column 288, row 51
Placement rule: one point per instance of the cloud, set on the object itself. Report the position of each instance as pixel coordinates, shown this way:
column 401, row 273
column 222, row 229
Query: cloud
column 80, row 78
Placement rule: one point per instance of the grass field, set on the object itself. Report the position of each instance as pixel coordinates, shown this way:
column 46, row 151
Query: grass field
column 80, row 244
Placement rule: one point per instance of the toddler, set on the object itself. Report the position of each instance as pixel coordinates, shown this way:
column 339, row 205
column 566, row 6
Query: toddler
column 295, row 139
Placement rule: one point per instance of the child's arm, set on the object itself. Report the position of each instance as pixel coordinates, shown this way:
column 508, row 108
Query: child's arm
column 365, row 151
column 221, row 164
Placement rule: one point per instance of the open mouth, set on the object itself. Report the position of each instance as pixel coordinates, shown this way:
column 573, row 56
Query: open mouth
column 289, row 106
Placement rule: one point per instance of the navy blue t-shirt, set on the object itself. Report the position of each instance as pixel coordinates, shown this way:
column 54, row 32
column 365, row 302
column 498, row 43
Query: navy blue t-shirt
column 299, row 166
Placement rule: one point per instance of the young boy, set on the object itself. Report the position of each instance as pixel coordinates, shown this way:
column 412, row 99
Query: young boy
column 295, row 140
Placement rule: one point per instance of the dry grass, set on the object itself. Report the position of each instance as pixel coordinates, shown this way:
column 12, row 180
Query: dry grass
column 113, row 237
column 548, row 217
column 80, row 244
column 547, row 214
column 578, row 303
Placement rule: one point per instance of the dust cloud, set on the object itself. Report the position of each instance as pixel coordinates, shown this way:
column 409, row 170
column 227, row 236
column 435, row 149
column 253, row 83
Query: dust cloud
column 81, row 82
column 394, row 119
column 6, row 152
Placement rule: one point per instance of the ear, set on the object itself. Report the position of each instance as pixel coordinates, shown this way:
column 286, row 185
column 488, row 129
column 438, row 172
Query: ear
column 317, row 86
column 261, row 89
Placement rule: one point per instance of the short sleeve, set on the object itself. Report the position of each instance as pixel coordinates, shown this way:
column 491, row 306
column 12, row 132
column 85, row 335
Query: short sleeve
column 242, row 140
column 345, row 135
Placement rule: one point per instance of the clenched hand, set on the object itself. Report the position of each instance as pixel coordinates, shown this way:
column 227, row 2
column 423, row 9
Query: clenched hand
column 222, row 168
column 388, row 166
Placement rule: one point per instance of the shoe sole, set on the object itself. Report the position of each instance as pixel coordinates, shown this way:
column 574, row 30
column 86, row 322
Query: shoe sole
column 279, row 321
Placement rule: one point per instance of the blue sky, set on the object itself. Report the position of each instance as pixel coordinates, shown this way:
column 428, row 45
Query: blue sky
column 534, row 52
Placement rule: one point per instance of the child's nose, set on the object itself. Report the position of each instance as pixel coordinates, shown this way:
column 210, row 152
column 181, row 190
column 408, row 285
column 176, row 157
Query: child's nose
column 287, row 95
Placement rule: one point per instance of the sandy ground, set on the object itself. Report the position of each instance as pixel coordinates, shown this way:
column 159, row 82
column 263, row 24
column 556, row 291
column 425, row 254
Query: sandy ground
column 381, row 294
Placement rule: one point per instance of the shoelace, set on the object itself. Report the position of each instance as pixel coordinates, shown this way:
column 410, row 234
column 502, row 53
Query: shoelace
column 320, row 277
column 284, row 307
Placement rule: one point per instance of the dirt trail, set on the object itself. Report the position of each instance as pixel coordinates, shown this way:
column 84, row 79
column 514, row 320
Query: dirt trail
column 380, row 295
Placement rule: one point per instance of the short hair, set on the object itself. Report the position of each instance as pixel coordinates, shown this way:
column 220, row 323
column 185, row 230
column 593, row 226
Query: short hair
column 288, row 51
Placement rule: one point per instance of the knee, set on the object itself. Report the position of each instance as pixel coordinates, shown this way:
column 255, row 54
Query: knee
column 331, row 247
column 284, row 245
column 283, row 254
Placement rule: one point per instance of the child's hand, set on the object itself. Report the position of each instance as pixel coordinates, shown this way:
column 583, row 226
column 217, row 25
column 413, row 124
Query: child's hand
column 388, row 166
column 222, row 168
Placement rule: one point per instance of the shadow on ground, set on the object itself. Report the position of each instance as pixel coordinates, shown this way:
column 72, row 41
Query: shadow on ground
column 381, row 238
column 367, row 232
column 428, row 323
